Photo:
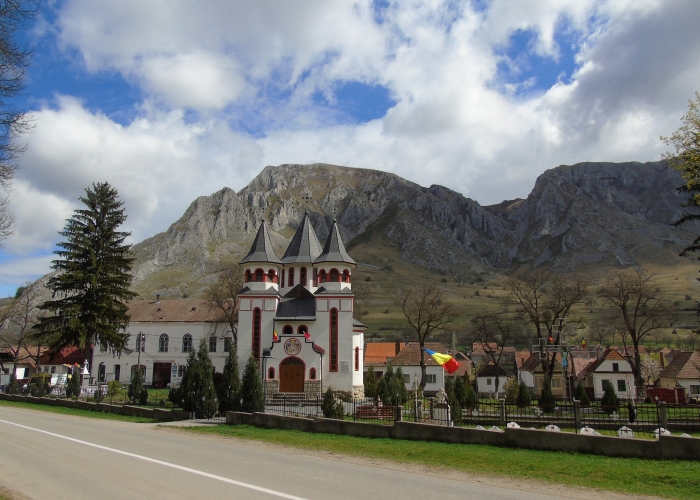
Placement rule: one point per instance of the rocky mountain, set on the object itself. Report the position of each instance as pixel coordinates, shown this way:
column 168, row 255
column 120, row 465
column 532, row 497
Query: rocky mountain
column 590, row 213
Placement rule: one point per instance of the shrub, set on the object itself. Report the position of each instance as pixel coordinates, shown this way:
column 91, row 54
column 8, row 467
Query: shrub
column 471, row 398
column 143, row 396
column 523, row 395
column 99, row 395
column 512, row 388
column 610, row 401
column 228, row 390
column 136, row 385
column 114, row 389
column 398, row 388
column 13, row 386
column 251, row 388
column 73, row 386
column 461, row 392
column 371, row 383
column 546, row 399
column 328, row 404
column 205, row 394
column 580, row 394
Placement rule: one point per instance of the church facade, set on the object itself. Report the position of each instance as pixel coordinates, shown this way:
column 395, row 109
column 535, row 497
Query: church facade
column 296, row 314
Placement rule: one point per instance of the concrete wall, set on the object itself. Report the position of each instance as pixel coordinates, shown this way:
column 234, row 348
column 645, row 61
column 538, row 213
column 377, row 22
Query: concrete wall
column 666, row 447
column 133, row 411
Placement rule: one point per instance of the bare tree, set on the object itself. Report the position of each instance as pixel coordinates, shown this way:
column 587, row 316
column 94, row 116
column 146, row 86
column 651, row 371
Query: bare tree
column 361, row 290
column 14, row 59
column 16, row 324
column 542, row 296
column 221, row 298
column 426, row 310
column 641, row 311
column 599, row 332
column 493, row 331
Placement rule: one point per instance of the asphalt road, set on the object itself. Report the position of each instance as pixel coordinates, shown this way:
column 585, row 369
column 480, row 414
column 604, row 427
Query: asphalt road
column 45, row 455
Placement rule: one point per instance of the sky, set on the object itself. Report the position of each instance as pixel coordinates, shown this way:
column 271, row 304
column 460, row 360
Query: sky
column 168, row 100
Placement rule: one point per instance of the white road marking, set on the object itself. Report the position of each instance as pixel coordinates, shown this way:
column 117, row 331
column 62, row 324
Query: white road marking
column 167, row 464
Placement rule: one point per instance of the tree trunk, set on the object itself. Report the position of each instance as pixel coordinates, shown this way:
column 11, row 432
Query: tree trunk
column 640, row 387
column 423, row 374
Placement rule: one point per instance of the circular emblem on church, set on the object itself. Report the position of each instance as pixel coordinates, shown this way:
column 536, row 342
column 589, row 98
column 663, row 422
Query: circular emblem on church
column 292, row 346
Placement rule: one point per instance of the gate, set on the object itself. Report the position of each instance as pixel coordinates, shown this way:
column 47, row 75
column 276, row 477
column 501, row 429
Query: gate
column 292, row 372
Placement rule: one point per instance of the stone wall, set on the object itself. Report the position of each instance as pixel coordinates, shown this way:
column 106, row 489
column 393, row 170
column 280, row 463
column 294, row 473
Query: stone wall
column 132, row 411
column 666, row 447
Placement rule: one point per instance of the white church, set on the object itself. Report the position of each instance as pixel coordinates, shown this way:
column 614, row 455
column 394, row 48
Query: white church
column 296, row 314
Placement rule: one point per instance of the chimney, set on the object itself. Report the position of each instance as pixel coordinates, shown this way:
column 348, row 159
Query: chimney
column 599, row 352
column 398, row 346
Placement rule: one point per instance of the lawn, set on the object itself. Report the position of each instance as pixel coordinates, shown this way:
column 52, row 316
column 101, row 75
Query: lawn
column 77, row 412
column 669, row 479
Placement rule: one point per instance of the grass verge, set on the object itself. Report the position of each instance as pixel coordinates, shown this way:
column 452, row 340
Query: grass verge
column 670, row 479
column 78, row 412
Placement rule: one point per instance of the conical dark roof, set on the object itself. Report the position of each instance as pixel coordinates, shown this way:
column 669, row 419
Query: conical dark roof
column 304, row 247
column 334, row 250
column 261, row 251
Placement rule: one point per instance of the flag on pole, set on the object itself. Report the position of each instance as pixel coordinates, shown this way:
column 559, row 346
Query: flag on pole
column 445, row 360
column 275, row 337
column 307, row 335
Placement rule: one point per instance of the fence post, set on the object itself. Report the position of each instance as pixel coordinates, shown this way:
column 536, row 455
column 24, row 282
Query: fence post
column 662, row 415
column 577, row 414
column 502, row 412
column 397, row 413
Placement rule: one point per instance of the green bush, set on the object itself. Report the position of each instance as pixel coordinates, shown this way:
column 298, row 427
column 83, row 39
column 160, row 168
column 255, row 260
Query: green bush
column 371, row 383
column 328, row 404
column 114, row 389
column 461, row 392
column 512, row 388
column 546, row 400
column 472, row 398
column 73, row 386
column 99, row 395
column 580, row 394
column 228, row 390
column 13, row 387
column 610, row 401
column 136, row 386
column 523, row 395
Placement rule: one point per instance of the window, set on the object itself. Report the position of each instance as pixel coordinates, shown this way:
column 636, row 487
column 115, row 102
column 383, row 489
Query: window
column 312, row 373
column 117, row 372
column 287, row 330
column 53, row 369
column 228, row 342
column 555, row 383
column 282, row 284
column 271, row 373
column 488, row 381
column 407, row 379
column 616, row 367
column 333, row 343
column 322, row 276
column 257, row 329
column 272, row 276
column 695, row 389
column 181, row 369
column 45, row 369
column 357, row 359
column 247, row 275
column 334, row 276
column 431, row 378
column 315, row 276
column 101, row 372
column 163, row 343
column 303, row 330
column 212, row 344
column 621, row 386
column 259, row 275
column 291, row 277
column 346, row 276
column 187, row 343
column 302, row 276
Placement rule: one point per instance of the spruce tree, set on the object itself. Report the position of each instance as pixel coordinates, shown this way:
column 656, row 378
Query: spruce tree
column 580, row 394
column 400, row 387
column 546, row 400
column 229, row 390
column 251, row 387
column 73, row 386
column 136, row 386
column 13, row 387
column 206, row 403
column 328, row 404
column 523, row 395
column 371, row 383
column 609, row 402
column 188, row 385
column 471, row 398
column 92, row 284
column 461, row 392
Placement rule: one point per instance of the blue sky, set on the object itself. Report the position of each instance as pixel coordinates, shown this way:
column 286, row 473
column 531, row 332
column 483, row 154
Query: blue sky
column 173, row 100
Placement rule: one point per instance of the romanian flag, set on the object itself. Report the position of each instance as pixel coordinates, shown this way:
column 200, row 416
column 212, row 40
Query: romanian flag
column 307, row 335
column 445, row 360
column 275, row 337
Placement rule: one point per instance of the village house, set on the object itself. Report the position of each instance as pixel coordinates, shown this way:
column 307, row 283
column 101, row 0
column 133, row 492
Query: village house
column 409, row 361
column 486, row 379
column 610, row 366
column 25, row 363
column 377, row 354
column 683, row 371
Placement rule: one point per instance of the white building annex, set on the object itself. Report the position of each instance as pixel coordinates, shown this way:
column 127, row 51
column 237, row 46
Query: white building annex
column 306, row 300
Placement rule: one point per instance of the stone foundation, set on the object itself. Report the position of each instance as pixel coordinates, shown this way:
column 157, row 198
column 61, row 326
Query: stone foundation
column 312, row 388
column 358, row 392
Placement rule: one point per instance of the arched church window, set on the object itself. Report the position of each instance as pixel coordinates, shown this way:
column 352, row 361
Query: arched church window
column 346, row 276
column 163, row 343
column 302, row 276
column 291, row 277
column 333, row 341
column 257, row 329
column 312, row 373
column 334, row 276
column 259, row 275
column 303, row 330
column 187, row 343
column 247, row 275
column 287, row 330
column 322, row 276
column 271, row 373
column 272, row 276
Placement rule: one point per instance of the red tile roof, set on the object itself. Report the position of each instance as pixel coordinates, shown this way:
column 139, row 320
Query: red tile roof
column 66, row 356
column 686, row 365
column 182, row 310
column 410, row 354
column 376, row 353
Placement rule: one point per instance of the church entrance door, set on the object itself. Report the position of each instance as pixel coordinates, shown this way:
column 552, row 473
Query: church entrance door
column 292, row 375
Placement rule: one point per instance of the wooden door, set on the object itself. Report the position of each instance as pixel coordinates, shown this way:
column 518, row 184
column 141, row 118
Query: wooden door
column 292, row 375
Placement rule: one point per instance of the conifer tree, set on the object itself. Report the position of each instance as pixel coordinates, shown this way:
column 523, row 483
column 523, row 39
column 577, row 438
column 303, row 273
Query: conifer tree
column 371, row 383
column 580, row 394
column 251, row 387
column 73, row 386
column 523, row 395
column 229, row 390
column 400, row 387
column 546, row 399
column 206, row 403
column 136, row 386
column 188, row 385
column 93, row 279
column 609, row 402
